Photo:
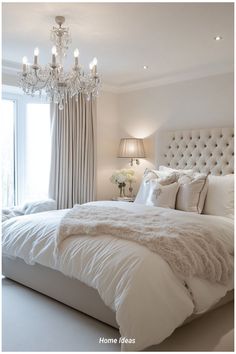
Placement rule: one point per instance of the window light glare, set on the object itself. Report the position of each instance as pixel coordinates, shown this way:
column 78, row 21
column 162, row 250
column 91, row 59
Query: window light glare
column 145, row 67
column 218, row 38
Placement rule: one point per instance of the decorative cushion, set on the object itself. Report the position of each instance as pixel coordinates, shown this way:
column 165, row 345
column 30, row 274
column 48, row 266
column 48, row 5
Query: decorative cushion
column 145, row 188
column 192, row 192
column 165, row 177
column 220, row 196
column 163, row 196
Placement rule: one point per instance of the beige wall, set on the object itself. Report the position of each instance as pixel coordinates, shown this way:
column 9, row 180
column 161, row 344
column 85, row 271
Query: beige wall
column 206, row 102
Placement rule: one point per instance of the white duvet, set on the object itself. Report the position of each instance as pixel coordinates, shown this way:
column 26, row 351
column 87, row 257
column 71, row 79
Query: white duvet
column 148, row 298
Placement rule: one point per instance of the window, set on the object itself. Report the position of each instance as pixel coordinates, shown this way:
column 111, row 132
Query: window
column 25, row 149
column 37, row 151
column 8, row 153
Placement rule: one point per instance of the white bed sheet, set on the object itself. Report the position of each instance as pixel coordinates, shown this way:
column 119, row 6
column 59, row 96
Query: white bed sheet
column 148, row 298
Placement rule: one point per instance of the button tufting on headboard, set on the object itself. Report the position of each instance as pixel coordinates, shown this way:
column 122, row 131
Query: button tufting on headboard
column 204, row 150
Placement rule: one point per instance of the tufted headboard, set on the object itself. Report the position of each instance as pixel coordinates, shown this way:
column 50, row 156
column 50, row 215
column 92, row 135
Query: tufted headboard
column 204, row 150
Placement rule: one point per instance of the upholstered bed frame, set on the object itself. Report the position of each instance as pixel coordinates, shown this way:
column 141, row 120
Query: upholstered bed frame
column 209, row 151
column 204, row 150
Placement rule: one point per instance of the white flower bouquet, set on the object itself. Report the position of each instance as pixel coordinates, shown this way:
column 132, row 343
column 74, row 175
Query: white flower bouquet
column 121, row 177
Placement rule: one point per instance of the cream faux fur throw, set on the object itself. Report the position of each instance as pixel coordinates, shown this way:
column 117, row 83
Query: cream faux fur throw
column 189, row 249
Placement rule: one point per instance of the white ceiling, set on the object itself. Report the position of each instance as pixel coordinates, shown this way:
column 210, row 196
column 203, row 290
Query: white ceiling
column 173, row 39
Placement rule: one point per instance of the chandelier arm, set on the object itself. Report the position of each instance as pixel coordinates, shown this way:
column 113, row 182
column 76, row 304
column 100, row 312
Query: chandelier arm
column 29, row 82
column 40, row 80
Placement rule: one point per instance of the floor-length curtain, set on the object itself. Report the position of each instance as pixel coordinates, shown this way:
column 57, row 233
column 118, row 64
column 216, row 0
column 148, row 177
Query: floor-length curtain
column 72, row 174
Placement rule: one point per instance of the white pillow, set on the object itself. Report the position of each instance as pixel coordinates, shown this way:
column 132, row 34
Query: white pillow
column 220, row 196
column 144, row 189
column 163, row 196
column 8, row 213
column 156, row 173
column 192, row 192
column 39, row 206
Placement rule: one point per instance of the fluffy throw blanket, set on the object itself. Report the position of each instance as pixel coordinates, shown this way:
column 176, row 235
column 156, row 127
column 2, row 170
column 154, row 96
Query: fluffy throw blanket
column 189, row 249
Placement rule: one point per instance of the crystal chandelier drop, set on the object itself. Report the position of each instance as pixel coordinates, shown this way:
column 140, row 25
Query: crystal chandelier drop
column 52, row 78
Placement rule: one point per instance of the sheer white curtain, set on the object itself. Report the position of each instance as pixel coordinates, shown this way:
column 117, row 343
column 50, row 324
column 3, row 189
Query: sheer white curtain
column 72, row 174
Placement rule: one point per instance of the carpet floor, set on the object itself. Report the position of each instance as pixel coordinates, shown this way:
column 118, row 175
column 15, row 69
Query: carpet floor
column 34, row 322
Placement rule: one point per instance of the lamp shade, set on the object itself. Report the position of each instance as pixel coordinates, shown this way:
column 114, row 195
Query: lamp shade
column 131, row 147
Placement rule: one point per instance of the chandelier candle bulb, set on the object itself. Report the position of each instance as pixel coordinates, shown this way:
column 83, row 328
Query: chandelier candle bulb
column 24, row 61
column 95, row 61
column 91, row 67
column 76, row 56
column 36, row 53
column 54, row 51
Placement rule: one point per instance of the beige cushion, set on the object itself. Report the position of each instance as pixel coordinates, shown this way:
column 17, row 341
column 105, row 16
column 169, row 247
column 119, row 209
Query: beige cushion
column 192, row 193
column 163, row 196
column 220, row 196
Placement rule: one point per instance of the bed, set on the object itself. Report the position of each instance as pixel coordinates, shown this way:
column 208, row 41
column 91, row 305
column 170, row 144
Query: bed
column 108, row 287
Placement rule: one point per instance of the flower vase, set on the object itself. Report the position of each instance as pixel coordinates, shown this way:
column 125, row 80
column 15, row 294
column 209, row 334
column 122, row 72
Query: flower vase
column 122, row 189
column 123, row 192
column 130, row 190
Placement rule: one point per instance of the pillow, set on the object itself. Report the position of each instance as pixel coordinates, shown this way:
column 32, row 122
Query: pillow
column 171, row 170
column 144, row 189
column 220, row 196
column 39, row 206
column 192, row 192
column 143, row 192
column 164, row 176
column 156, row 173
column 163, row 196
column 8, row 213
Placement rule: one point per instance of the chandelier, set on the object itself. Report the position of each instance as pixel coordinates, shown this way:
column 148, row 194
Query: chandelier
column 52, row 78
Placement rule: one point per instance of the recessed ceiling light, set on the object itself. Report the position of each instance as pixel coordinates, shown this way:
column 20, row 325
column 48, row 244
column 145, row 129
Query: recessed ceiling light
column 145, row 67
column 218, row 38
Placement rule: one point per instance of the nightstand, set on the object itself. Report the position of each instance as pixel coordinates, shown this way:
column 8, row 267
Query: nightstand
column 124, row 199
